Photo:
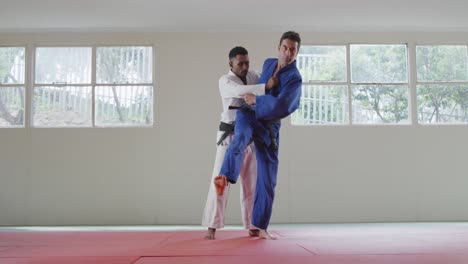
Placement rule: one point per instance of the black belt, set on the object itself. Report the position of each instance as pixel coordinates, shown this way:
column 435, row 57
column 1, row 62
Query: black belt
column 249, row 108
column 244, row 106
column 227, row 129
column 272, row 134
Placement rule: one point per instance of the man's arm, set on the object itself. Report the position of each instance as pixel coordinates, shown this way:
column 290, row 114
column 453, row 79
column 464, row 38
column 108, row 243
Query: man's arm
column 230, row 88
column 269, row 107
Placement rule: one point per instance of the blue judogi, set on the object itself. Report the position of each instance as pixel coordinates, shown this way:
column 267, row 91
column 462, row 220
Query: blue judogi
column 261, row 124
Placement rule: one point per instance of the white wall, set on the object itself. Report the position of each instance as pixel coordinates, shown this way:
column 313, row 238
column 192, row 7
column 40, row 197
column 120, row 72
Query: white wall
column 160, row 175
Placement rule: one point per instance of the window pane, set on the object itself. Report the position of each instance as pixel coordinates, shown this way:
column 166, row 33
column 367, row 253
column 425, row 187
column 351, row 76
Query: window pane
column 12, row 65
column 62, row 106
column 11, row 106
column 442, row 103
column 124, row 105
column 70, row 65
column 378, row 64
column 442, row 63
column 322, row 105
column 374, row 104
column 124, row 65
column 322, row 63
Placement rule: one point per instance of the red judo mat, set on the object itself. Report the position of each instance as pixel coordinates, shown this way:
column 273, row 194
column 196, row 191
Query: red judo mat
column 321, row 244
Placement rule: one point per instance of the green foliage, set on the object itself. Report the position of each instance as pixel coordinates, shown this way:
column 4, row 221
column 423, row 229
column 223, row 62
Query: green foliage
column 390, row 103
column 378, row 64
column 442, row 103
column 442, row 63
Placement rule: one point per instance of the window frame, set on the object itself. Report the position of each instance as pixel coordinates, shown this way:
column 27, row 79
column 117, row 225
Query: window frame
column 350, row 84
column 31, row 83
column 329, row 83
column 24, row 85
column 436, row 82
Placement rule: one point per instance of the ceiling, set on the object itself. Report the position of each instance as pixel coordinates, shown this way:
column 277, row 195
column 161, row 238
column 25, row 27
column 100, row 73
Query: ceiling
column 227, row 16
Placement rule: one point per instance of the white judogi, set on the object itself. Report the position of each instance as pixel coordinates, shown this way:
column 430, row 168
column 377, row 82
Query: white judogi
column 232, row 89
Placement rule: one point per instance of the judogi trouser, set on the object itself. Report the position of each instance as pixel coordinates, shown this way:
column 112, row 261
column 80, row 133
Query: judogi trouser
column 261, row 123
column 215, row 207
column 266, row 138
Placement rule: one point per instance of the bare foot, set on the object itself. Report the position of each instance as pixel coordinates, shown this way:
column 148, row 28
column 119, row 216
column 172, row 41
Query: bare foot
column 254, row 232
column 220, row 183
column 265, row 235
column 211, row 233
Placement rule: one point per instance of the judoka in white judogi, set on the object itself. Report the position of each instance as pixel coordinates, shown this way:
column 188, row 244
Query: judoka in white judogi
column 232, row 88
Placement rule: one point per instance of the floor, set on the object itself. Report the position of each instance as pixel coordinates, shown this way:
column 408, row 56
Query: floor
column 377, row 243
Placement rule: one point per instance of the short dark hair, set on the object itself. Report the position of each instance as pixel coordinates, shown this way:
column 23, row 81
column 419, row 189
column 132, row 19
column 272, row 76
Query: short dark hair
column 291, row 35
column 237, row 51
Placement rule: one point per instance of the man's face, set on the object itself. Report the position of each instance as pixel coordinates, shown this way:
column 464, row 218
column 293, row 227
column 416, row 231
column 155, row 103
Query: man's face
column 287, row 51
column 240, row 65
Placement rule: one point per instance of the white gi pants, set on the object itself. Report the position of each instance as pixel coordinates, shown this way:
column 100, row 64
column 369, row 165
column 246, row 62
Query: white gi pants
column 213, row 215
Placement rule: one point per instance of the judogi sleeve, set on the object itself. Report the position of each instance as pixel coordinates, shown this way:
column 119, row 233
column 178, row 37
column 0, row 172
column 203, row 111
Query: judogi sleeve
column 229, row 88
column 269, row 107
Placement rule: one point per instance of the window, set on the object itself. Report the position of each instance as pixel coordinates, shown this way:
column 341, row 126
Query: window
column 124, row 91
column 62, row 88
column 377, row 83
column 12, row 86
column 324, row 97
column 442, row 84
column 379, row 78
column 66, row 94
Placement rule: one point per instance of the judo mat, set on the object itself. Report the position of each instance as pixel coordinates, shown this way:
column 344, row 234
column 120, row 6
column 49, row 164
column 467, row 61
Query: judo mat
column 411, row 243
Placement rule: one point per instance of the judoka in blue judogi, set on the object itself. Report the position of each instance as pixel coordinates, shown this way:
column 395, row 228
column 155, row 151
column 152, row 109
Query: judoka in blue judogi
column 259, row 120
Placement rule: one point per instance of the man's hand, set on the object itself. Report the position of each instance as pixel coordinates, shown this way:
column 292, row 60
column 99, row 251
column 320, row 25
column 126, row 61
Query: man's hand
column 250, row 99
column 272, row 82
